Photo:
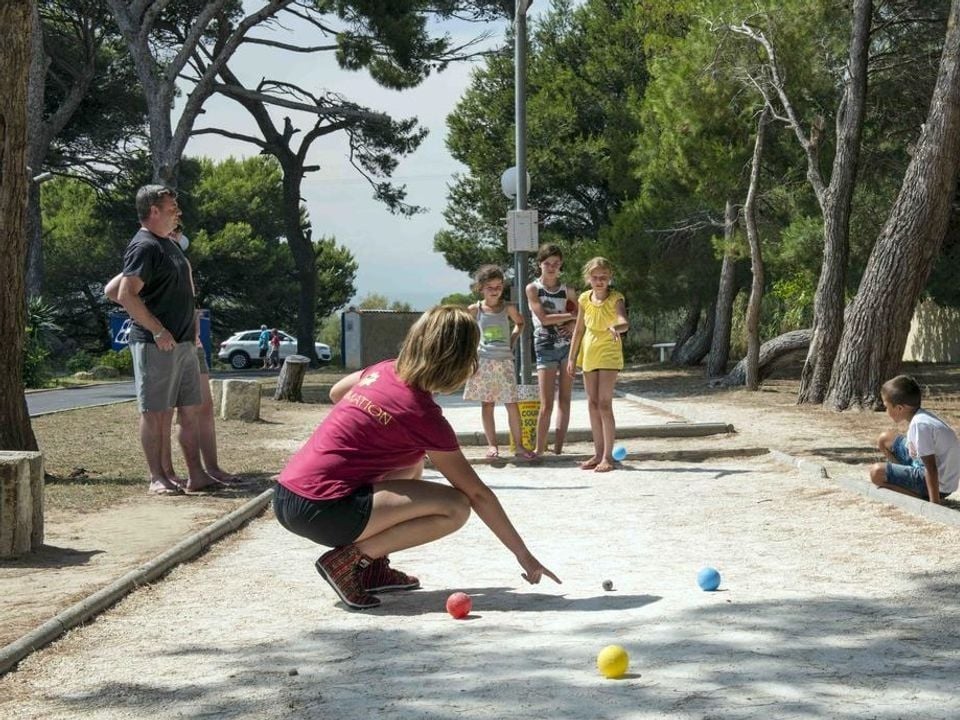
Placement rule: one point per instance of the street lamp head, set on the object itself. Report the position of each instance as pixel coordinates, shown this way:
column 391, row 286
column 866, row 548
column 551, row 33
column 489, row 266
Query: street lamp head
column 508, row 182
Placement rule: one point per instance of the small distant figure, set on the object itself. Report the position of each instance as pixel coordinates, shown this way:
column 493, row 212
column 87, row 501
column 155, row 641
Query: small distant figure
column 263, row 343
column 597, row 349
column 925, row 463
column 274, row 349
column 495, row 379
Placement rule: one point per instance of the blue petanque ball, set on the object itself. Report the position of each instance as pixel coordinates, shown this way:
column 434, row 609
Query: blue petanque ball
column 708, row 579
column 619, row 453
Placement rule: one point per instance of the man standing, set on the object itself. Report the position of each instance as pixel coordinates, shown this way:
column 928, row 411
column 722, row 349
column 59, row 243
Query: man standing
column 157, row 292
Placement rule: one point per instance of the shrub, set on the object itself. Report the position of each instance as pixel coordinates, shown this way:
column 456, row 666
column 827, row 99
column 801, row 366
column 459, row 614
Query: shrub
column 80, row 360
column 120, row 360
column 35, row 369
column 104, row 372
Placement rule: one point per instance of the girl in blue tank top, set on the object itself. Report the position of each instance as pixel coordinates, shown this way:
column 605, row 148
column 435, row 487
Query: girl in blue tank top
column 495, row 379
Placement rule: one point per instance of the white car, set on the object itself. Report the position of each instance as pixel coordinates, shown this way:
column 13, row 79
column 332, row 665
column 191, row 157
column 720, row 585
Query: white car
column 242, row 349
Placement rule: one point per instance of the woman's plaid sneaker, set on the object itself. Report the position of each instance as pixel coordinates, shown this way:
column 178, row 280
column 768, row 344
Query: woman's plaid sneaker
column 341, row 568
column 378, row 576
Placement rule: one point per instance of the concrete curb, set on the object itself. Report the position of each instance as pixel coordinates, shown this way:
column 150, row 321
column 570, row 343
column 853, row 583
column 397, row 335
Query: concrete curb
column 673, row 429
column 804, row 466
column 102, row 599
column 83, row 407
column 915, row 506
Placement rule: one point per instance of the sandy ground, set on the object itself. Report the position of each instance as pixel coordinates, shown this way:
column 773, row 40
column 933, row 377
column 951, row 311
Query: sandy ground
column 831, row 605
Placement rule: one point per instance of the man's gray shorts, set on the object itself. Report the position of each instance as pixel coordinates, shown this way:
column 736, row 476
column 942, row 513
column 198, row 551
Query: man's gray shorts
column 165, row 380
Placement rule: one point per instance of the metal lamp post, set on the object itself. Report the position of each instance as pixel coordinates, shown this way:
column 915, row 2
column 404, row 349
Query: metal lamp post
column 522, row 223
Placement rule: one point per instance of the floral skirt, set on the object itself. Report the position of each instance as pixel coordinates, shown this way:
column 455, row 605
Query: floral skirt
column 494, row 382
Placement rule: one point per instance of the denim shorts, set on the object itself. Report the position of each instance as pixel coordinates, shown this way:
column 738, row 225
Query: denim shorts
column 333, row 523
column 907, row 472
column 551, row 357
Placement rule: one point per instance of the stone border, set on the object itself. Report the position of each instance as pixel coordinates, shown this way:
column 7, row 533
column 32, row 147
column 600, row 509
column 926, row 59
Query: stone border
column 99, row 601
column 666, row 430
column 916, row 506
column 908, row 503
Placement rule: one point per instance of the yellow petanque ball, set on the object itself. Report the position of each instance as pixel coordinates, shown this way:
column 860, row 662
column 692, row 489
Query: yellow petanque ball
column 612, row 662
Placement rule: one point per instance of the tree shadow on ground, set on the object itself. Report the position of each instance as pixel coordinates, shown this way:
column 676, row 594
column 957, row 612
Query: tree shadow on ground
column 844, row 657
column 51, row 556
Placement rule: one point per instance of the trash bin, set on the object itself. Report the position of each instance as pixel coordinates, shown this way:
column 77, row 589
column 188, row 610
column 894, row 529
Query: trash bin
column 529, row 407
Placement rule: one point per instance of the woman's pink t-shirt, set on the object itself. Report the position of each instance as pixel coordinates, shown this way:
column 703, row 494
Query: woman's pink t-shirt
column 381, row 424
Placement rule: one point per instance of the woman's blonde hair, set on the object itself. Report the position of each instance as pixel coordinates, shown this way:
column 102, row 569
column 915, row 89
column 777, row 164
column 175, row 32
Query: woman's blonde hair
column 597, row 263
column 440, row 350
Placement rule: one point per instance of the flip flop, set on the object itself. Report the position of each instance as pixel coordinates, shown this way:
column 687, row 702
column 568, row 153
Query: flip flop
column 213, row 487
column 162, row 491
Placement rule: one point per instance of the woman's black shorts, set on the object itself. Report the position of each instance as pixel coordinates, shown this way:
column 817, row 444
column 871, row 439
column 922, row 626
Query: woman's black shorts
column 333, row 523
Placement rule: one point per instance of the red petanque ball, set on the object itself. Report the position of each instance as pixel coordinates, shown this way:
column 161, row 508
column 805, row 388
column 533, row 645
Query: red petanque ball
column 459, row 605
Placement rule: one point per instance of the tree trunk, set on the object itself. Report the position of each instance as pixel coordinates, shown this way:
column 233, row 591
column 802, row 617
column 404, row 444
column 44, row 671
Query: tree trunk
column 687, row 328
column 16, row 33
column 876, row 327
column 771, row 351
column 37, row 143
column 756, row 258
column 696, row 348
column 829, row 301
column 290, row 380
column 720, row 345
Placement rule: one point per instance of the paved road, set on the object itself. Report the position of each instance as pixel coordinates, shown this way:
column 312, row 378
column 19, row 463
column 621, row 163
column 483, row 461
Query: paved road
column 41, row 403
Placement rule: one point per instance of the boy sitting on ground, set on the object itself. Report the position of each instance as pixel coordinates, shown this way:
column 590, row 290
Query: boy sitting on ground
column 926, row 462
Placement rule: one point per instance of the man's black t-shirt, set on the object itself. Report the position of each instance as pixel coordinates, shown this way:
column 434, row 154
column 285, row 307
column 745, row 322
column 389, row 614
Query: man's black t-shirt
column 166, row 291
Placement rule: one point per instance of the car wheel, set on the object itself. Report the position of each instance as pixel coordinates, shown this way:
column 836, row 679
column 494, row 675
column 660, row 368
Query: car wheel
column 239, row 360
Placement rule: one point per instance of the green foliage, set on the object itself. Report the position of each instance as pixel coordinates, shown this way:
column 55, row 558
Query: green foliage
column 458, row 299
column 81, row 39
column 80, row 360
column 119, row 360
column 330, row 333
column 243, row 271
column 36, row 369
column 373, row 301
column 586, row 67
column 40, row 329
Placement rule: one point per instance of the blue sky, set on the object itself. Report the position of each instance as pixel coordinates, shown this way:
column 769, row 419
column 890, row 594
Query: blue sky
column 395, row 254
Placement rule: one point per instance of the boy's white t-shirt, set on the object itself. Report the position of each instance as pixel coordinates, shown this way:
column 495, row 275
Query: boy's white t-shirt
column 929, row 435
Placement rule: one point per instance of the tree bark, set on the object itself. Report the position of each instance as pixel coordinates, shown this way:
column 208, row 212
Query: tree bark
column 771, row 351
column 695, row 349
column 835, row 202
column 290, row 380
column 756, row 258
column 723, row 318
column 159, row 78
column 687, row 328
column 16, row 36
column 877, row 324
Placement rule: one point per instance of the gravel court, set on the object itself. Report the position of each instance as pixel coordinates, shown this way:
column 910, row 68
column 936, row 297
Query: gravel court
column 831, row 606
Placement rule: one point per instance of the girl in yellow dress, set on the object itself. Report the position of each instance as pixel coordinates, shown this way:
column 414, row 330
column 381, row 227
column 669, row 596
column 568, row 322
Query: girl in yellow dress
column 597, row 349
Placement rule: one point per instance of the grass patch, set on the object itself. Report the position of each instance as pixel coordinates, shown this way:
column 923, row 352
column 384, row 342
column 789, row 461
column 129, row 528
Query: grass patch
column 93, row 458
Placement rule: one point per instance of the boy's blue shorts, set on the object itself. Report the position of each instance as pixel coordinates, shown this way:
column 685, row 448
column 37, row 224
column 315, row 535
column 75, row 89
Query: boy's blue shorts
column 907, row 472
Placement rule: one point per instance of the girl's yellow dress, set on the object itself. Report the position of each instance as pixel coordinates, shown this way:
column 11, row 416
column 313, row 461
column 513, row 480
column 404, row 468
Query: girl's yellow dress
column 598, row 349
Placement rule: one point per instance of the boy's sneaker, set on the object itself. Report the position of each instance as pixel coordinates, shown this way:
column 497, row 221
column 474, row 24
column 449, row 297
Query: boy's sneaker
column 378, row 576
column 341, row 568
